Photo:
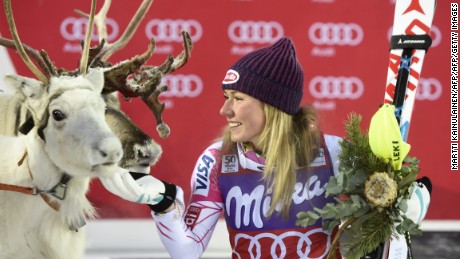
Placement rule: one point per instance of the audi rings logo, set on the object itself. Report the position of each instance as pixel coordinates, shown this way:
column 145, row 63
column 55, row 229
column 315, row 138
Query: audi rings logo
column 74, row 29
column 255, row 31
column 331, row 87
column 429, row 89
column 170, row 30
column 272, row 242
column 336, row 34
column 182, row 86
column 435, row 34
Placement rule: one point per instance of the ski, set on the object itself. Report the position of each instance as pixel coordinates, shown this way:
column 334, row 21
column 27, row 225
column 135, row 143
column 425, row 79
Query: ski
column 409, row 43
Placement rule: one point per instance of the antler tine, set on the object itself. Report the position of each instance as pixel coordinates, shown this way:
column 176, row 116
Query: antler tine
column 116, row 76
column 48, row 64
column 148, row 78
column 170, row 65
column 157, row 109
column 85, row 52
column 129, row 32
column 99, row 19
column 34, row 54
column 183, row 57
column 19, row 46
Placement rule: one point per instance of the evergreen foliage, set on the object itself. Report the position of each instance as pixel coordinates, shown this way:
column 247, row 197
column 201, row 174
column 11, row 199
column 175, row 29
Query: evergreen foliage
column 366, row 225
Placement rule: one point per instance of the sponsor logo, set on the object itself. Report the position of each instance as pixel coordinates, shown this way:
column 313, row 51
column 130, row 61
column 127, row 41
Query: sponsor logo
column 182, row 86
column 331, row 87
column 326, row 106
column 284, row 242
column 203, row 170
column 255, row 31
column 74, row 29
column 340, row 34
column 193, row 213
column 429, row 89
column 435, row 34
column 169, row 30
column 250, row 208
column 231, row 77
column 411, row 41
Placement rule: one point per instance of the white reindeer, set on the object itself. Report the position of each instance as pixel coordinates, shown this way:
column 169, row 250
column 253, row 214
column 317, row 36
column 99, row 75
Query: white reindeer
column 13, row 113
column 69, row 144
column 140, row 150
column 52, row 165
column 45, row 174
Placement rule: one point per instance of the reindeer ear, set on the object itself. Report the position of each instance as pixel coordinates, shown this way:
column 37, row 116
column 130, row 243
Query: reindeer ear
column 96, row 77
column 29, row 87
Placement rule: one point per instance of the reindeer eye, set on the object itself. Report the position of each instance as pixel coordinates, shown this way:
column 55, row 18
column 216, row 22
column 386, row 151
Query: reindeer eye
column 58, row 115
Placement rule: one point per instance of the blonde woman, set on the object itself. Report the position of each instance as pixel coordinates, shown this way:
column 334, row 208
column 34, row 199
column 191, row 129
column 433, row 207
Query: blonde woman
column 271, row 163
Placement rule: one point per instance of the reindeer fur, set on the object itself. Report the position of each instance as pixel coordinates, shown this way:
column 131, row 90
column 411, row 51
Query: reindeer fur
column 81, row 145
column 140, row 151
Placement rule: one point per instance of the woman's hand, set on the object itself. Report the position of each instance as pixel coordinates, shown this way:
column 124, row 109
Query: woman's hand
column 142, row 188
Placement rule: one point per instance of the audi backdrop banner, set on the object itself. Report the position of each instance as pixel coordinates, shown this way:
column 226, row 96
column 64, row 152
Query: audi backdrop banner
column 343, row 47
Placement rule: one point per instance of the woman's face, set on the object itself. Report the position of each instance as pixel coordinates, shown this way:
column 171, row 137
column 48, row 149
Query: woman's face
column 245, row 116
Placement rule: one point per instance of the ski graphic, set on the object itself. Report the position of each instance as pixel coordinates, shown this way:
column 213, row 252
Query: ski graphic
column 409, row 43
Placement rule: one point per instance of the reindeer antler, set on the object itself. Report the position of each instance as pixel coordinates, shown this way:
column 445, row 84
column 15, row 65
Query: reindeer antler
column 183, row 57
column 47, row 66
column 87, row 42
column 41, row 57
column 131, row 77
column 100, row 19
column 18, row 44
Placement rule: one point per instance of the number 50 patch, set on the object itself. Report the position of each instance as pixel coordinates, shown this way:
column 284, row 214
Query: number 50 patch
column 229, row 164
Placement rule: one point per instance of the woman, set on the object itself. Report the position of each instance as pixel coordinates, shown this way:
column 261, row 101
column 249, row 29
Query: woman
column 271, row 163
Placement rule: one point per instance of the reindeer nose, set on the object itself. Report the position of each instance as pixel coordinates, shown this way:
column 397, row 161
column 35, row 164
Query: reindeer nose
column 110, row 149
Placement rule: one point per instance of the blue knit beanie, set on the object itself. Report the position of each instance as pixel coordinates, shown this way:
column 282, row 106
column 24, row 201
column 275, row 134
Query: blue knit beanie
column 271, row 74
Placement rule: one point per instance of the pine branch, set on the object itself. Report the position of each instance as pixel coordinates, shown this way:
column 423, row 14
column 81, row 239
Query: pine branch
column 373, row 231
column 373, row 219
column 356, row 151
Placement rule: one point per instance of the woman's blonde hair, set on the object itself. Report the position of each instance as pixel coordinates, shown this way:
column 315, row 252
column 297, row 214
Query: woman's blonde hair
column 287, row 142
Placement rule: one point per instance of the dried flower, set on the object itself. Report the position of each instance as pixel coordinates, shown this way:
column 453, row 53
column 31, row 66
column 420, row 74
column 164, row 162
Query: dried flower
column 380, row 190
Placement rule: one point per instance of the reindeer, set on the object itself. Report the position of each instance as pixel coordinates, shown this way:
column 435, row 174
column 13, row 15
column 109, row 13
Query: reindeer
column 45, row 173
column 139, row 149
column 55, row 161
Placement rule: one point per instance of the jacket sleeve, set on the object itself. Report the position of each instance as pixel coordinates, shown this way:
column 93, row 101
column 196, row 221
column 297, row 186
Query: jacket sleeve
column 186, row 232
column 332, row 143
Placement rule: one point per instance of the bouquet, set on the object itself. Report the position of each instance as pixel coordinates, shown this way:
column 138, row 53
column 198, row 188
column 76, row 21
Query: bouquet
column 374, row 181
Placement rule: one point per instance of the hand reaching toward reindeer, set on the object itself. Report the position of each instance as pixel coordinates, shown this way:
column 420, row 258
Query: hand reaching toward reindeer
column 145, row 189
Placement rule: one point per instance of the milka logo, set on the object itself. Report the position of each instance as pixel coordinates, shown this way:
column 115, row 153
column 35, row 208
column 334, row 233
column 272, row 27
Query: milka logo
column 202, row 175
column 256, row 204
column 231, row 77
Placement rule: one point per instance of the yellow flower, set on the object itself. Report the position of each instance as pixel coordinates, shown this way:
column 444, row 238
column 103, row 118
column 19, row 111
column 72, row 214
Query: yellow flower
column 380, row 190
